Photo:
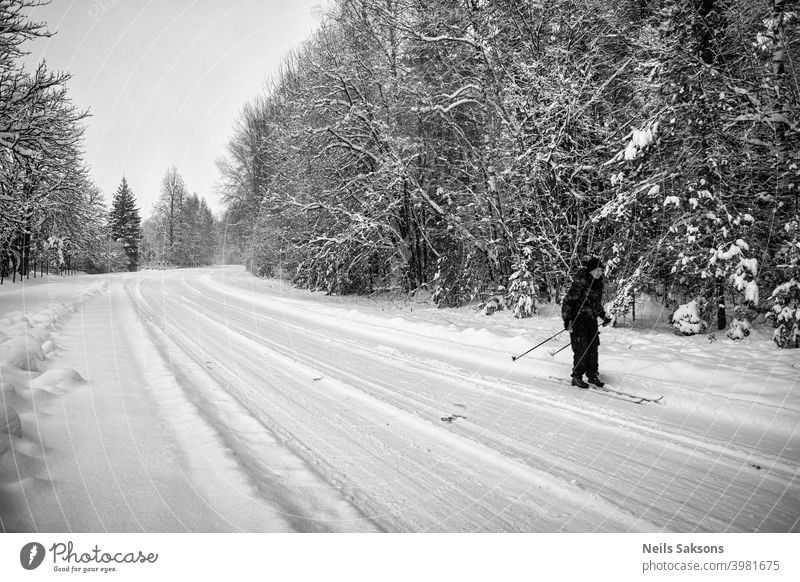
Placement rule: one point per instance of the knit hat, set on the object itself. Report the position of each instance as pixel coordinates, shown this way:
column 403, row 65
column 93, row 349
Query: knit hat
column 591, row 263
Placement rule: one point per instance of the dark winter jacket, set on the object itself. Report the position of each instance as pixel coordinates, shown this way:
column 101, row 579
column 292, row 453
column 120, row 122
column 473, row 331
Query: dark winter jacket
column 583, row 303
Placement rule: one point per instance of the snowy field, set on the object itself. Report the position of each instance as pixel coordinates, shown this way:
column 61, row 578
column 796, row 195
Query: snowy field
column 210, row 401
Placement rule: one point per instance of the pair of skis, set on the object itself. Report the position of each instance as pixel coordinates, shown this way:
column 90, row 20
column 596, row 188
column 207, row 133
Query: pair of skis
column 627, row 395
column 635, row 398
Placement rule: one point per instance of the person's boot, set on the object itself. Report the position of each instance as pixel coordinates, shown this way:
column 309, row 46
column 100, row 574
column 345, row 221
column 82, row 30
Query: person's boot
column 579, row 382
column 596, row 381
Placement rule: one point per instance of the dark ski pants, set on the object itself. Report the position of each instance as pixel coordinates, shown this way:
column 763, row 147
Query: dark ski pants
column 584, row 352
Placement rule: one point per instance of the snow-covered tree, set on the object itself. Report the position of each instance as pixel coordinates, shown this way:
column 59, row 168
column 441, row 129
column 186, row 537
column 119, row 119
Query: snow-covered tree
column 169, row 206
column 43, row 179
column 195, row 236
column 688, row 318
column 125, row 223
column 182, row 230
column 786, row 314
column 522, row 288
column 154, row 241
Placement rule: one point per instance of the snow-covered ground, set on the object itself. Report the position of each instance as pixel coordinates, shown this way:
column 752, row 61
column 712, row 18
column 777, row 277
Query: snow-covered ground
column 208, row 400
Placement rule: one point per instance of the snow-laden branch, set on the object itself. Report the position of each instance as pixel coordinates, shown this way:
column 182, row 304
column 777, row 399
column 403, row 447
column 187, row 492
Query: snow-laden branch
column 446, row 109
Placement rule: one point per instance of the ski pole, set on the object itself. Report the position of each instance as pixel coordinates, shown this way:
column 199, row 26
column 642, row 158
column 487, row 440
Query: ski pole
column 560, row 349
column 515, row 358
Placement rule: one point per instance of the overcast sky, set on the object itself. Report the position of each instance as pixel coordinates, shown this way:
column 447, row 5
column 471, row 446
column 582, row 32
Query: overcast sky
column 165, row 80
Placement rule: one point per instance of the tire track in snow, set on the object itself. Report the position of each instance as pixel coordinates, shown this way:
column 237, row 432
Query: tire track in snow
column 280, row 476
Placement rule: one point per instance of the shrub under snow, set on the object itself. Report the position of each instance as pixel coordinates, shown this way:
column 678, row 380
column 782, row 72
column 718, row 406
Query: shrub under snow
column 739, row 329
column 522, row 289
column 687, row 321
column 494, row 303
column 786, row 313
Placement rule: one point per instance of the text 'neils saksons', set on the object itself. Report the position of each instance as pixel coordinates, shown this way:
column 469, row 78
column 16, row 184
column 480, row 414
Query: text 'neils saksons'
column 681, row 549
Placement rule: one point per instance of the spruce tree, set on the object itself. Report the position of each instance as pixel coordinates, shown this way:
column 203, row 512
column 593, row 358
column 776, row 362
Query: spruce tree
column 126, row 224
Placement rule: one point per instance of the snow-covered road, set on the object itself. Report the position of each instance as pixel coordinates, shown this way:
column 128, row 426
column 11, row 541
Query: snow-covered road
column 219, row 402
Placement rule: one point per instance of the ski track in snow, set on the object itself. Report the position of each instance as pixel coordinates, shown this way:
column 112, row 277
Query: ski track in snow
column 219, row 402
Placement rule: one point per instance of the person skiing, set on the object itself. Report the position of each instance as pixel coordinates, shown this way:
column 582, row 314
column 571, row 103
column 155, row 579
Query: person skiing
column 580, row 310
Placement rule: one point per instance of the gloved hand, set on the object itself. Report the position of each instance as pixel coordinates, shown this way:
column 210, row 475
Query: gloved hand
column 606, row 320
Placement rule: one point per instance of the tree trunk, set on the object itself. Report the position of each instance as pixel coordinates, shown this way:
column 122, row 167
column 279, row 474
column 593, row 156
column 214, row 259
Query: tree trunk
column 705, row 8
column 778, row 78
column 722, row 320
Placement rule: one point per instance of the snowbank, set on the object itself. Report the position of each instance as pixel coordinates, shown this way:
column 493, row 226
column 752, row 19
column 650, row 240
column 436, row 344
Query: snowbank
column 28, row 384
